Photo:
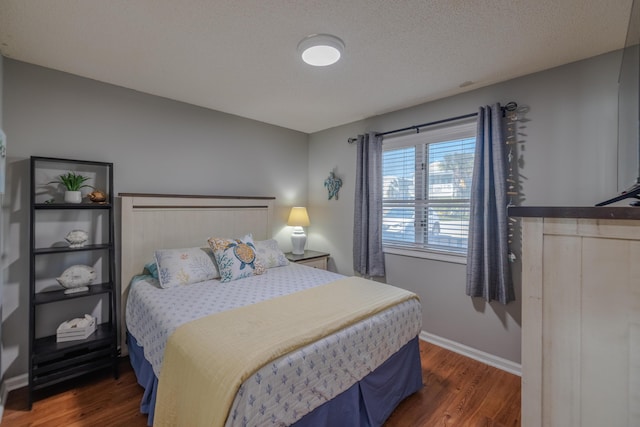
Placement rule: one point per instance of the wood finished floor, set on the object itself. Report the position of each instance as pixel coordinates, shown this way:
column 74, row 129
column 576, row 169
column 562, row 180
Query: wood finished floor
column 457, row 391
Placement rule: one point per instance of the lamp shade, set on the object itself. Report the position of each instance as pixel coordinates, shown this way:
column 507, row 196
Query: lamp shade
column 298, row 217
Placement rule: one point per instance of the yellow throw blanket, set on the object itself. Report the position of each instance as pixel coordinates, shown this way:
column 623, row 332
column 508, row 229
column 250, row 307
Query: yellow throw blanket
column 207, row 360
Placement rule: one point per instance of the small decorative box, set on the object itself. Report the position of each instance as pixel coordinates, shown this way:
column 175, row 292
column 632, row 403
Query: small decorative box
column 76, row 329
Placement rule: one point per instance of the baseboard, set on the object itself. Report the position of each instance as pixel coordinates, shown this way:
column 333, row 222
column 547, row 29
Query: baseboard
column 11, row 384
column 480, row 356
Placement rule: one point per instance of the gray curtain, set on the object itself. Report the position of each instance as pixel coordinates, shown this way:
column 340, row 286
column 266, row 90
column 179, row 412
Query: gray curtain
column 488, row 271
column 368, row 258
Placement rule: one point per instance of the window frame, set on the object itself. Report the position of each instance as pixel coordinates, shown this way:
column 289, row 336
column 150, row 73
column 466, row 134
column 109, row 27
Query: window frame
column 450, row 131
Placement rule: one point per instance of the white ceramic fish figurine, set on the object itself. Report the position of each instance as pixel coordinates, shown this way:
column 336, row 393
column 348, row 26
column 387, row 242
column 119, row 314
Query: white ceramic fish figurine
column 77, row 238
column 76, row 278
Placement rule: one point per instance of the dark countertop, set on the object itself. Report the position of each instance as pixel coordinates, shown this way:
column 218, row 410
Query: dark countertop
column 586, row 212
column 308, row 255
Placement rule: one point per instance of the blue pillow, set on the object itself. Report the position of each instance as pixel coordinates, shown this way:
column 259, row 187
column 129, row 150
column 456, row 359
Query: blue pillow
column 151, row 268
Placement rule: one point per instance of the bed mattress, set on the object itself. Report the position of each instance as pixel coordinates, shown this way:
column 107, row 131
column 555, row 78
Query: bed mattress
column 295, row 384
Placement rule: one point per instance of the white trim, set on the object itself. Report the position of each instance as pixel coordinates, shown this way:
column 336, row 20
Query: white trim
column 436, row 256
column 11, row 384
column 464, row 129
column 480, row 356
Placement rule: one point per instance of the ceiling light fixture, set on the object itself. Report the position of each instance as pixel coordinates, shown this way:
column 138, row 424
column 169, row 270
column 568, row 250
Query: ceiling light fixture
column 321, row 49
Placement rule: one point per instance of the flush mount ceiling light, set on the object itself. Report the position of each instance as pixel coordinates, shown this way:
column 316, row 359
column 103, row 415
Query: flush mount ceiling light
column 321, row 49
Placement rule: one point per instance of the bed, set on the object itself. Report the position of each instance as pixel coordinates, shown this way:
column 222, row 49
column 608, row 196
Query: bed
column 353, row 372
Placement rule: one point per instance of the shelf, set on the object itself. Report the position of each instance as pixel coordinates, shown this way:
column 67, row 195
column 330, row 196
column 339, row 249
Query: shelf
column 46, row 348
column 45, row 206
column 51, row 362
column 71, row 368
column 62, row 249
column 67, row 360
column 70, row 373
column 70, row 161
column 53, row 296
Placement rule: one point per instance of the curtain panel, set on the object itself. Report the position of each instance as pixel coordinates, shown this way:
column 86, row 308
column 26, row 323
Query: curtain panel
column 368, row 257
column 488, row 270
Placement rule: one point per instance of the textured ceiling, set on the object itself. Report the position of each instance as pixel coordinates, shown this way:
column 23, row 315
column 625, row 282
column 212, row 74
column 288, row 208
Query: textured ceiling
column 239, row 56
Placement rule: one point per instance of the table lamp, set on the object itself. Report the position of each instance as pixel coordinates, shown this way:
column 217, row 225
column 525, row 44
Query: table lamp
column 298, row 218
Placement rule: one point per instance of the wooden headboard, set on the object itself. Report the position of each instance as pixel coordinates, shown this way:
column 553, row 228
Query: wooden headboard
column 156, row 221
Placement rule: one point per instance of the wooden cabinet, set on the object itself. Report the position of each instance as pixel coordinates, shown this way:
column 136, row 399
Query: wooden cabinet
column 310, row 258
column 581, row 318
column 51, row 221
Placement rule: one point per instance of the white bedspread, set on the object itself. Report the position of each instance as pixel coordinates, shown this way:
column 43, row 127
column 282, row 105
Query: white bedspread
column 290, row 387
column 152, row 313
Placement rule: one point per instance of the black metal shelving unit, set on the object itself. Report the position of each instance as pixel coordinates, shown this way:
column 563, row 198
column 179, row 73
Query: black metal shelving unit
column 52, row 362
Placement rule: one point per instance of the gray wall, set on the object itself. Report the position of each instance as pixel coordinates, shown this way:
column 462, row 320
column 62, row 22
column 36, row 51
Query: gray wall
column 569, row 158
column 2, row 230
column 1, row 73
column 157, row 146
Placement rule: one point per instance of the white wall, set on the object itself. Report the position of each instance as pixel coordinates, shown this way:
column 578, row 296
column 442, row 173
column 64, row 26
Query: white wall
column 569, row 158
column 157, row 146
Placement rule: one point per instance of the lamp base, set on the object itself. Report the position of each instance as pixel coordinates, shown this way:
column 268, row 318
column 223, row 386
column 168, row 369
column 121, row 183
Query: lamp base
column 298, row 240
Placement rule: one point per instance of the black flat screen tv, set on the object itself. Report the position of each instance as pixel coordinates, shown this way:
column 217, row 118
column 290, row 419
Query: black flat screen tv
column 629, row 114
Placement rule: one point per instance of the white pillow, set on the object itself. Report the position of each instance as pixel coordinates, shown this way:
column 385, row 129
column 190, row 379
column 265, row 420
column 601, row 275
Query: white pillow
column 269, row 254
column 185, row 266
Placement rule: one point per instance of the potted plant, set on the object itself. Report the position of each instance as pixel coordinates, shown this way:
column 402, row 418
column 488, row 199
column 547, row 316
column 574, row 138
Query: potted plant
column 73, row 183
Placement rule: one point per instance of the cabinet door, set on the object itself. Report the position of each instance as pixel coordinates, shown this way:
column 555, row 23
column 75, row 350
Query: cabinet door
column 581, row 323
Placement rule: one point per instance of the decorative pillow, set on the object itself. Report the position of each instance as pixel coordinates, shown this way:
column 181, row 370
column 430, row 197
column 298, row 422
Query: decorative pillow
column 185, row 266
column 235, row 257
column 269, row 254
column 151, row 268
column 259, row 268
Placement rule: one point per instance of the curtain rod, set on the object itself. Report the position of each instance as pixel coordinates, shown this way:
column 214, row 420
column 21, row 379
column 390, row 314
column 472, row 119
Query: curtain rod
column 510, row 106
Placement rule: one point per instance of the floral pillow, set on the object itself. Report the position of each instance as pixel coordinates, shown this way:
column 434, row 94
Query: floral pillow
column 236, row 258
column 259, row 268
column 185, row 266
column 269, row 254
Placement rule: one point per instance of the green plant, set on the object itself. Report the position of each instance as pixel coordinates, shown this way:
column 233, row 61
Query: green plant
column 72, row 181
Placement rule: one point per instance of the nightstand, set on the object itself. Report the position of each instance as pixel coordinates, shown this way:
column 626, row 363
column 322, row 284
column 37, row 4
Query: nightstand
column 310, row 258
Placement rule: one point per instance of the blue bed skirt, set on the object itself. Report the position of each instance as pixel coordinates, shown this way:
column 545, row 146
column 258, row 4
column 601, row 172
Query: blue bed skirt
column 368, row 403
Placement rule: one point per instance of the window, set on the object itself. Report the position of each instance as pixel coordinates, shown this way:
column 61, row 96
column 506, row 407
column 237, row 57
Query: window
column 426, row 188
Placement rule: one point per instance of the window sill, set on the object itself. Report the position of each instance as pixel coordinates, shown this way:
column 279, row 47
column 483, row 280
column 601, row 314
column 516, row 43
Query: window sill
column 432, row 255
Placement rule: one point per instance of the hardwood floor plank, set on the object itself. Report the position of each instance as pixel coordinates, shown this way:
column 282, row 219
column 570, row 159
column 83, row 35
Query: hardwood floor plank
column 457, row 391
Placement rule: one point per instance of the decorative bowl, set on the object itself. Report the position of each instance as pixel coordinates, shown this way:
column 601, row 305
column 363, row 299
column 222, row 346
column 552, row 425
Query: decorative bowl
column 97, row 196
column 77, row 238
column 76, row 278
